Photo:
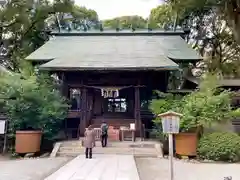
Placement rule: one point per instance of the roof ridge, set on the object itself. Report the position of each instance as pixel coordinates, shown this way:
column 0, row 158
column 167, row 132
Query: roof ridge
column 117, row 33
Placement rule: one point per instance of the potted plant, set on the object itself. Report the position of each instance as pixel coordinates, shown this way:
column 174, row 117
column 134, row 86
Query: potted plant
column 201, row 109
column 37, row 109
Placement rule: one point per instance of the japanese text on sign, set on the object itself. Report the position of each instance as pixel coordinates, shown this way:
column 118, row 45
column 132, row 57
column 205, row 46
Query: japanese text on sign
column 2, row 127
column 170, row 125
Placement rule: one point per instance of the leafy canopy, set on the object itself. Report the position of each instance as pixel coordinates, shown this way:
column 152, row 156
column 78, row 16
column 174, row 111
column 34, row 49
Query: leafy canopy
column 201, row 108
column 23, row 24
column 32, row 103
column 126, row 22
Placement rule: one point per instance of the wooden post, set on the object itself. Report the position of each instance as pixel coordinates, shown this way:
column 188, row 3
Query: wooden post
column 65, row 93
column 84, row 107
column 138, row 122
column 170, row 141
column 64, row 87
column 5, row 138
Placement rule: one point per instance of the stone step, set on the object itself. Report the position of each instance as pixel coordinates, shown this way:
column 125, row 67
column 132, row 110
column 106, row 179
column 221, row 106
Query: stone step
column 62, row 149
column 143, row 149
column 112, row 144
column 99, row 150
column 71, row 143
column 77, row 153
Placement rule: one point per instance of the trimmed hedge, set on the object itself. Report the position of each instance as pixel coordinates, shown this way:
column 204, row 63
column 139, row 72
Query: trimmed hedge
column 220, row 146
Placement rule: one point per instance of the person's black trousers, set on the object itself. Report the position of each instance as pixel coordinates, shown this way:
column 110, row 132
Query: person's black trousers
column 88, row 153
column 104, row 140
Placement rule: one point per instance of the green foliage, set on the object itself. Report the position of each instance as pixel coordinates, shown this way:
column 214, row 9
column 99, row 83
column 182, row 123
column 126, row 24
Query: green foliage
column 126, row 22
column 207, row 17
column 164, row 103
column 236, row 113
column 220, row 146
column 162, row 15
column 22, row 25
column 80, row 12
column 201, row 108
column 206, row 106
column 224, row 8
column 33, row 103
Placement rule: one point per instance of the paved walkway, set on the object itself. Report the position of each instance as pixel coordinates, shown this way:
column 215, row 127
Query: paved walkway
column 158, row 169
column 30, row 169
column 101, row 167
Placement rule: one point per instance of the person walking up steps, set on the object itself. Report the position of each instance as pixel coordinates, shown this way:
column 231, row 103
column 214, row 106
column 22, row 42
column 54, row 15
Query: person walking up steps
column 89, row 142
column 104, row 135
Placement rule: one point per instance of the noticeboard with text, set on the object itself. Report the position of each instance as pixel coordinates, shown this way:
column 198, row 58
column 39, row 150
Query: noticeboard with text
column 2, row 127
column 170, row 125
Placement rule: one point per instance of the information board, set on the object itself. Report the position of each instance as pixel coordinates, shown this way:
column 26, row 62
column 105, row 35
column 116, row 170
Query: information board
column 2, row 126
column 132, row 126
column 170, row 125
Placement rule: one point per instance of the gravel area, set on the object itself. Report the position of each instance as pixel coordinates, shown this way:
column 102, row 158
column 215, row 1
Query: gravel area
column 30, row 169
column 158, row 169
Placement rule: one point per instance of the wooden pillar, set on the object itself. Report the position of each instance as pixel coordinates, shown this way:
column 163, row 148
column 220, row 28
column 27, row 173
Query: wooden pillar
column 64, row 92
column 138, row 122
column 84, row 109
column 64, row 87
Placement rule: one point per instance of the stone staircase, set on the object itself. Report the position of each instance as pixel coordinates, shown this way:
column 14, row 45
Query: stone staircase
column 138, row 148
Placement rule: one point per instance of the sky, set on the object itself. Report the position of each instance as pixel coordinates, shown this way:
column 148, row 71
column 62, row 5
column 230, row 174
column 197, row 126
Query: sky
column 108, row 9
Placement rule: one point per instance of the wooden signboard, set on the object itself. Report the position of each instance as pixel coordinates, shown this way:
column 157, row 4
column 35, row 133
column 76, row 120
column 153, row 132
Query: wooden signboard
column 2, row 127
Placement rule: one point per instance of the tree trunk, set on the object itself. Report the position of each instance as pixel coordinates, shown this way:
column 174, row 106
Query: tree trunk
column 232, row 11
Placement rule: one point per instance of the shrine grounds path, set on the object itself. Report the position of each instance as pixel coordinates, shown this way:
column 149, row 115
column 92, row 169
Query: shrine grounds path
column 118, row 167
column 29, row 169
column 158, row 169
column 101, row 167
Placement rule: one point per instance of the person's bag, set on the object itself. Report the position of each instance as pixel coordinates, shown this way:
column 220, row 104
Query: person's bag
column 82, row 142
column 104, row 129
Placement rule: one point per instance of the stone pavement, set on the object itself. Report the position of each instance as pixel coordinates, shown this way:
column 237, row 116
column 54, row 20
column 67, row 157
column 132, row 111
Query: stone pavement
column 30, row 169
column 158, row 169
column 101, row 167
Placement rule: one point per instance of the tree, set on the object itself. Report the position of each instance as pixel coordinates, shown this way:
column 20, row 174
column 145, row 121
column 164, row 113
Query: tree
column 214, row 40
column 209, row 34
column 229, row 9
column 22, row 26
column 163, row 15
column 126, row 22
column 84, row 13
column 32, row 102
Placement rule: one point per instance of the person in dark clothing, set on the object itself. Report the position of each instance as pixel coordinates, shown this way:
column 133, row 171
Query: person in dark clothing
column 104, row 135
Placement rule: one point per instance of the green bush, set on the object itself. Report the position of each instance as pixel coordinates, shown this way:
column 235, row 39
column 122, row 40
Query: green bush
column 200, row 109
column 220, row 146
column 33, row 103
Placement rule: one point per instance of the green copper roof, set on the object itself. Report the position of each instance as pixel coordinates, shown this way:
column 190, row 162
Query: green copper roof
column 111, row 51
